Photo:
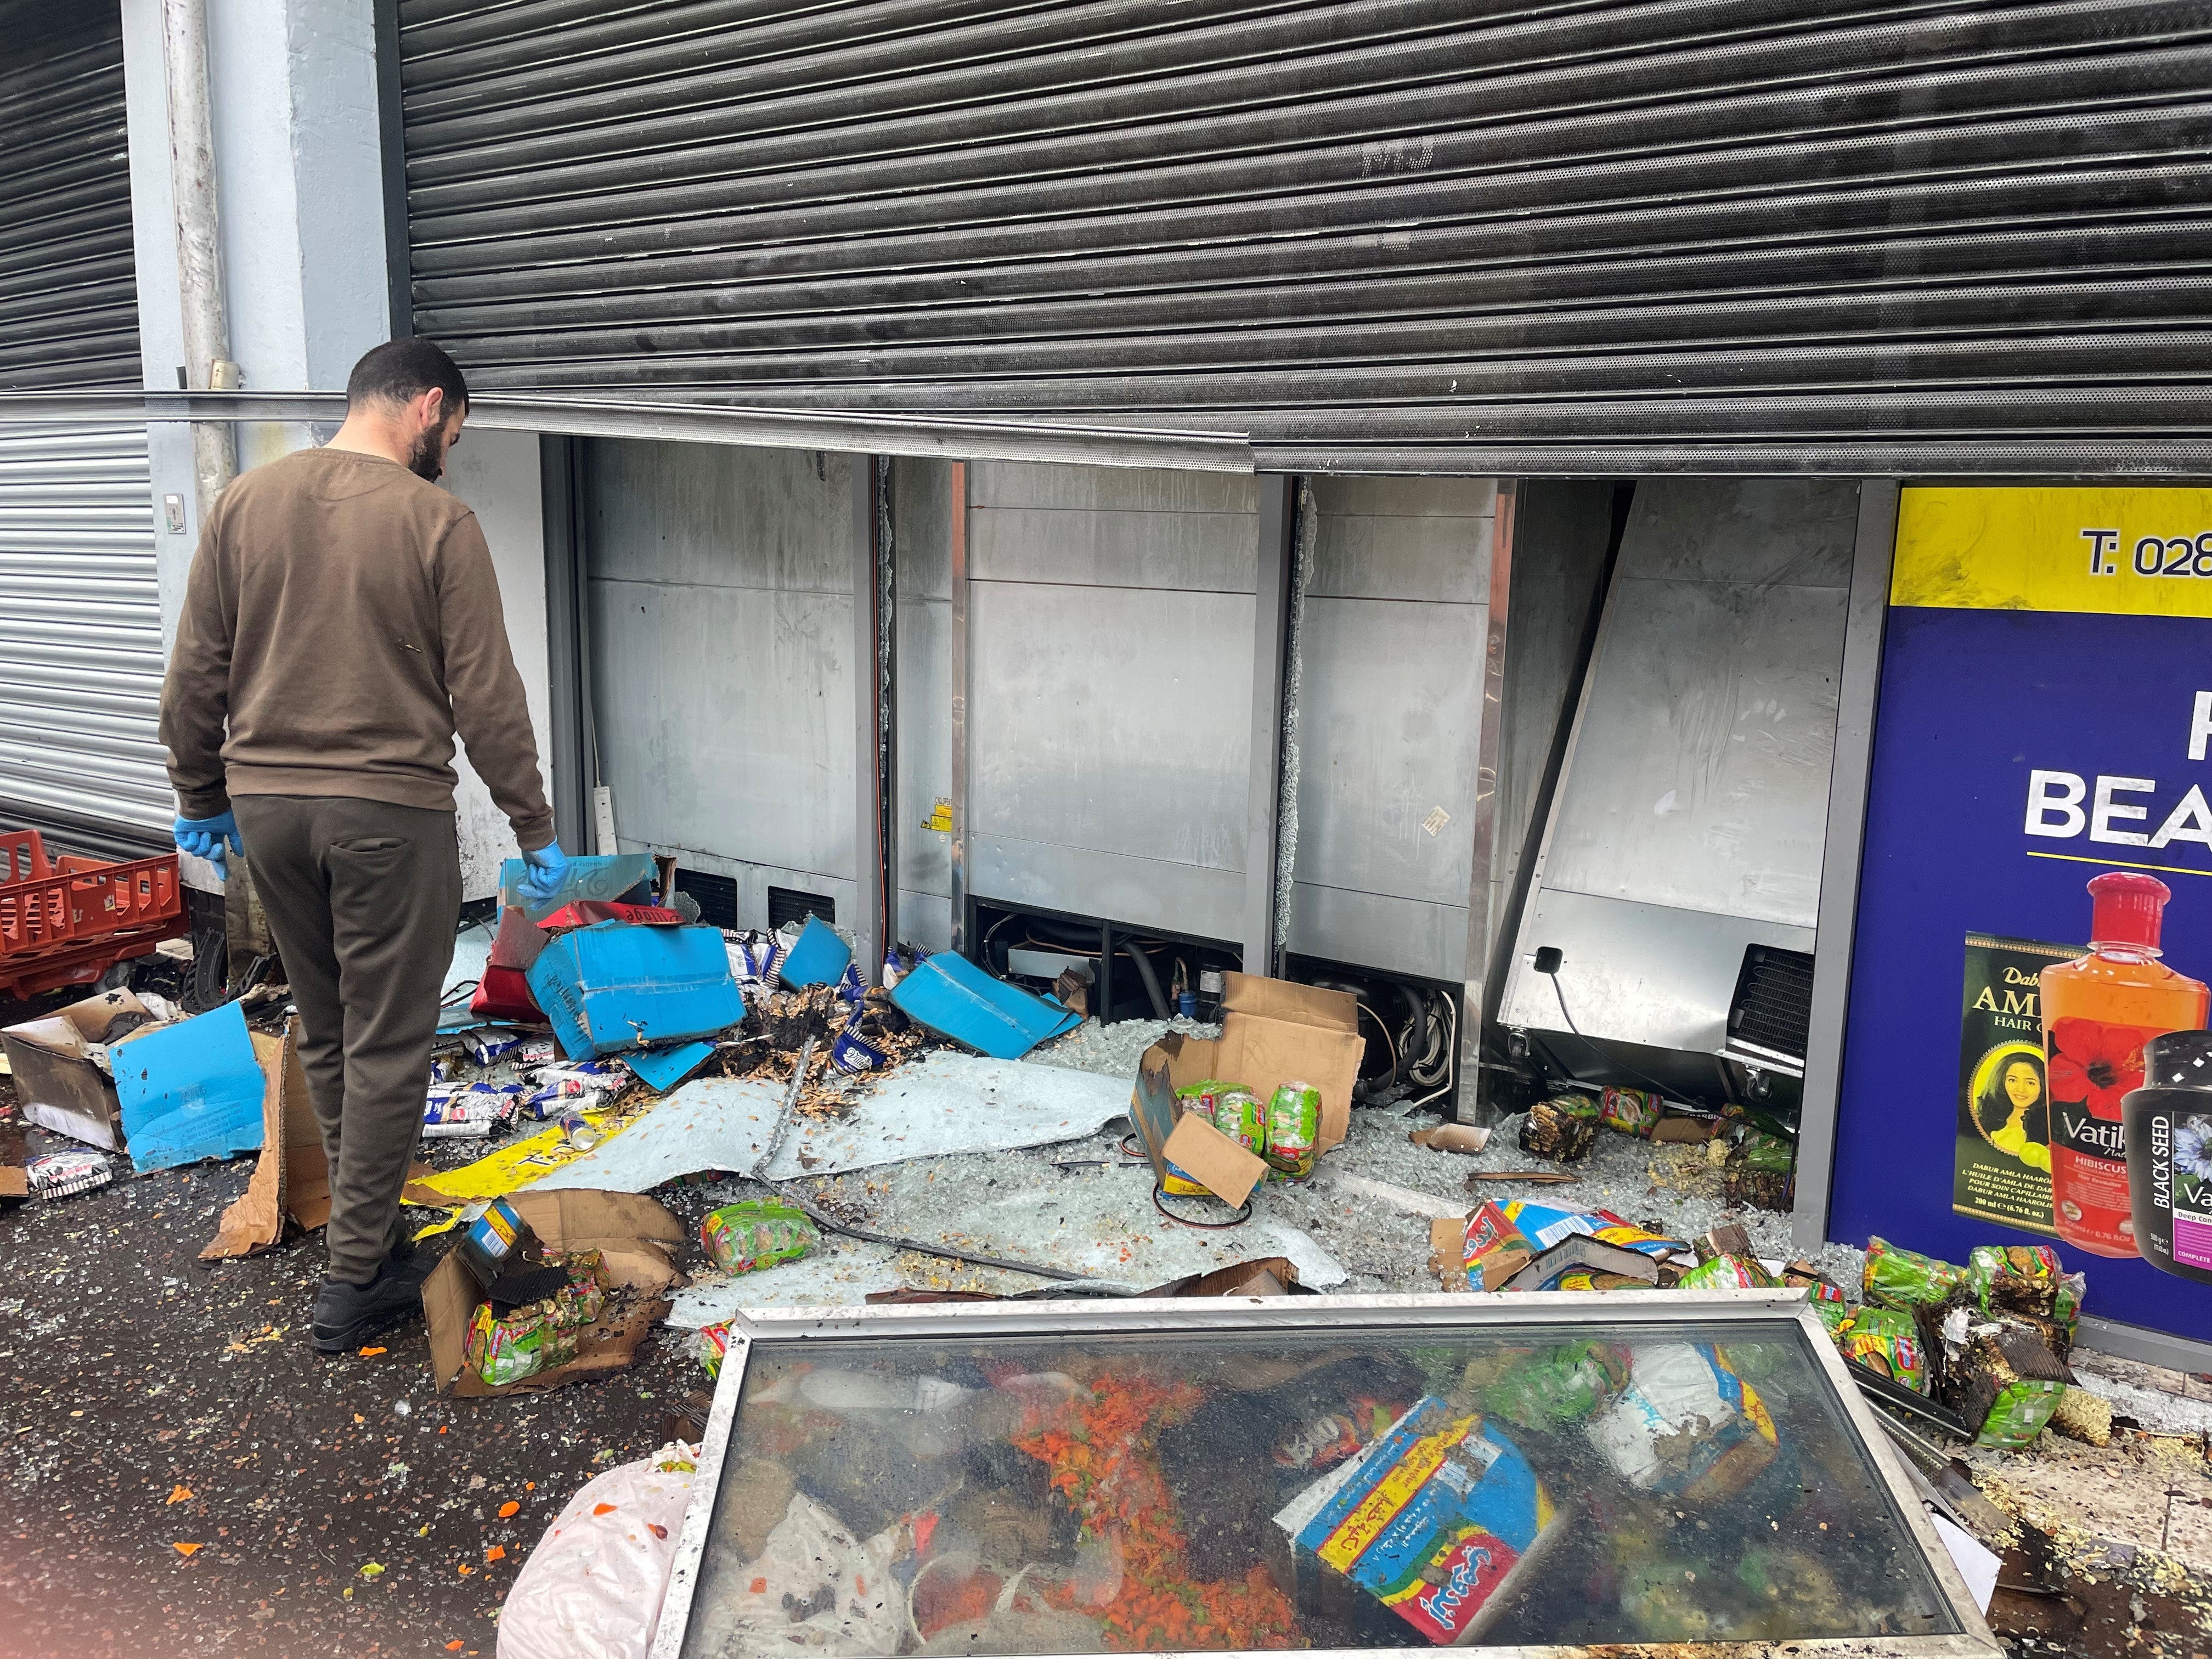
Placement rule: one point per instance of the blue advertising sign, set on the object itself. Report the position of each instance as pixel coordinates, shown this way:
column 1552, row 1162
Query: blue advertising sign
column 2044, row 721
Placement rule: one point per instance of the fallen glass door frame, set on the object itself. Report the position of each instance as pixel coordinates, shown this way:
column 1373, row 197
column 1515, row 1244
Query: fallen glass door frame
column 1625, row 1311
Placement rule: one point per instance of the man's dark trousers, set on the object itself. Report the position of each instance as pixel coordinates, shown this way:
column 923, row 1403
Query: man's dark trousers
column 362, row 898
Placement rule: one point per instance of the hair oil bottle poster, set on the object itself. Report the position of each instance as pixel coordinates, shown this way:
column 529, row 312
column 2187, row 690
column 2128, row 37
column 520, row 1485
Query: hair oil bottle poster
column 2041, row 755
column 2002, row 1164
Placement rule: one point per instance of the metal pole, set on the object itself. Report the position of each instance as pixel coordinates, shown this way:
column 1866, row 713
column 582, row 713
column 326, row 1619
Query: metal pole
column 1270, row 649
column 958, row 885
column 1484, row 912
column 869, row 915
column 1836, row 923
column 199, row 250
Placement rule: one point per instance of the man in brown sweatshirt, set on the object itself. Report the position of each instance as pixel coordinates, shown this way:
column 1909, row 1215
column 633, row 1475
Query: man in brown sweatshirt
column 341, row 623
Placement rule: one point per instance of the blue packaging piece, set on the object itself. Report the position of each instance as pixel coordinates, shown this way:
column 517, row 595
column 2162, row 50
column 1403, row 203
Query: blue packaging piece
column 956, row 998
column 662, row 1069
column 585, row 878
column 854, row 1053
column 611, row 988
column 819, row 957
column 190, row 1090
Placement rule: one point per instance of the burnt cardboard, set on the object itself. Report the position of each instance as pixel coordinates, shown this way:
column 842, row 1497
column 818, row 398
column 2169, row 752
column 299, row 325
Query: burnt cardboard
column 1466, row 1138
column 62, row 1086
column 256, row 1220
column 1214, row 1161
column 1274, row 1032
column 1582, row 1251
column 293, row 1175
column 637, row 1240
column 1266, row 1275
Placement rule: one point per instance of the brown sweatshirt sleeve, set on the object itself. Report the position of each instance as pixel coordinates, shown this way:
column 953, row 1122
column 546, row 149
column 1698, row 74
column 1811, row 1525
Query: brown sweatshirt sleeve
column 490, row 710
column 195, row 690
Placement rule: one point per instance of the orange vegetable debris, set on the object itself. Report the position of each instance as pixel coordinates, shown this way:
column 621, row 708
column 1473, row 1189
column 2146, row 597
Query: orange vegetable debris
column 509, row 1508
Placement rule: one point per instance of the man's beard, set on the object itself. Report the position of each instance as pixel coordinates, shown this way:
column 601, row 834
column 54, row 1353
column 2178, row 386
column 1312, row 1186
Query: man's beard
column 426, row 458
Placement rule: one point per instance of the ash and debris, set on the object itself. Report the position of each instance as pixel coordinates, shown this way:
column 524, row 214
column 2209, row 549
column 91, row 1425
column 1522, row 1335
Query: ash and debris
column 139, row 1372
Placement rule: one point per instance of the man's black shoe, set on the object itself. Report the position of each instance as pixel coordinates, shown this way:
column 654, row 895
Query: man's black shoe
column 347, row 1315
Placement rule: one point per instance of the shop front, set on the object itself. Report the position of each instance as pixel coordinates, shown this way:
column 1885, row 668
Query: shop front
column 2035, row 902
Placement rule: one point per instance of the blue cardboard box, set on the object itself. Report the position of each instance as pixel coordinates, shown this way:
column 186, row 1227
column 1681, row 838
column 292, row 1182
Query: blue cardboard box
column 613, row 986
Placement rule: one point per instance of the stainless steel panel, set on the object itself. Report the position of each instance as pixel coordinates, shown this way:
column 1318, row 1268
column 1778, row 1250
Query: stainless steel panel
column 721, row 628
column 1113, row 719
column 721, row 517
column 1006, row 484
column 1637, row 973
column 1389, row 717
column 1755, row 531
column 1174, row 896
column 80, row 649
column 921, row 524
column 1375, row 930
column 1700, row 778
column 1404, row 538
column 1103, row 527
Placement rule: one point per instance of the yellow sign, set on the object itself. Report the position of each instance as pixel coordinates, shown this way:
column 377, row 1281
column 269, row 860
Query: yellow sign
column 2108, row 549
column 940, row 816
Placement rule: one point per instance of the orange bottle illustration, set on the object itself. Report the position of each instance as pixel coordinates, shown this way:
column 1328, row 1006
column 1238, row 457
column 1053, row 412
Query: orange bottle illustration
column 2098, row 1010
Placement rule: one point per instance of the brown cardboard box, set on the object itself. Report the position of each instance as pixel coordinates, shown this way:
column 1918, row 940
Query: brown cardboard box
column 61, row 1087
column 1274, row 1032
column 637, row 1239
column 292, row 1176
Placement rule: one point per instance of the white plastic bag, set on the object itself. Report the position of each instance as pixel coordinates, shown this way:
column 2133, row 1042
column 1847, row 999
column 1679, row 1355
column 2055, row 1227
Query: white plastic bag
column 593, row 1588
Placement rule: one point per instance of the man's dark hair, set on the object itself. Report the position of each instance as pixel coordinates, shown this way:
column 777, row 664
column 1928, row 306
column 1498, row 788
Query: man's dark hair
column 400, row 371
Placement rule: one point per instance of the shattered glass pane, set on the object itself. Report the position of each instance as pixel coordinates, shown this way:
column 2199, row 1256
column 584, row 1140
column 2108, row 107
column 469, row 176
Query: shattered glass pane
column 1340, row 1487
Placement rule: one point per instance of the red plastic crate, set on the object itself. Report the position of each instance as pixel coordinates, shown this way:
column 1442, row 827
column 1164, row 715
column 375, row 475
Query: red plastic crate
column 68, row 922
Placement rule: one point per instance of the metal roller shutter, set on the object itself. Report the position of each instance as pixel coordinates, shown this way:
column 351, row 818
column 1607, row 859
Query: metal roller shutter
column 80, row 611
column 1701, row 235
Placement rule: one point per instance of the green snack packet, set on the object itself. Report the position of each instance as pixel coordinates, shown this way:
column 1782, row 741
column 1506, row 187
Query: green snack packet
column 1726, row 1273
column 1887, row 1342
column 1905, row 1279
column 2007, row 1383
column 522, row 1344
column 1238, row 1115
column 744, row 1237
column 1761, row 1173
column 1563, row 1127
column 1832, row 1313
column 1558, row 1385
column 2026, row 1279
column 1293, row 1130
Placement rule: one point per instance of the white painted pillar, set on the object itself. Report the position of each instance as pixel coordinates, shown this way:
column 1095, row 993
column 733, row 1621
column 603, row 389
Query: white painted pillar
column 299, row 167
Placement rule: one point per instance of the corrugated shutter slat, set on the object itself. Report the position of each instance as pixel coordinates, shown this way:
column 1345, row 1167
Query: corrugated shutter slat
column 1735, row 235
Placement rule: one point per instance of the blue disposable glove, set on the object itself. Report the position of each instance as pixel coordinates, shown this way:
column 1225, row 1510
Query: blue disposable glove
column 204, row 838
column 546, row 866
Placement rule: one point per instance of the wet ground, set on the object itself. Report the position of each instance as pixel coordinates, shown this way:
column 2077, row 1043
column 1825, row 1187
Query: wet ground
column 183, row 1474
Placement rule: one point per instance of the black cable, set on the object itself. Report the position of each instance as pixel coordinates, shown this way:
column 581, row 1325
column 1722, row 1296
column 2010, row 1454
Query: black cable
column 1160, row 1010
column 1243, row 1214
column 1603, row 1058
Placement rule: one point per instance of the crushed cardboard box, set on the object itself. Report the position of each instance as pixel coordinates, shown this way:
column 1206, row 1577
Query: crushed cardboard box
column 292, row 1176
column 637, row 1240
column 1274, row 1032
column 56, row 1063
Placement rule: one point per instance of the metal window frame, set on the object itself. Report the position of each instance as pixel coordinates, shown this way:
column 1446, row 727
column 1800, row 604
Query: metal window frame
column 1629, row 1310
column 1836, row 916
column 1263, row 924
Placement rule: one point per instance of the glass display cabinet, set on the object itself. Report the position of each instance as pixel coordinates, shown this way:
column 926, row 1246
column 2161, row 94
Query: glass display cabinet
column 1536, row 1474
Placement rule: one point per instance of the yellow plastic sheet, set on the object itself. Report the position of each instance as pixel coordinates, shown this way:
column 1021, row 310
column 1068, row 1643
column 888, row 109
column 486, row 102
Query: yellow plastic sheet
column 507, row 1170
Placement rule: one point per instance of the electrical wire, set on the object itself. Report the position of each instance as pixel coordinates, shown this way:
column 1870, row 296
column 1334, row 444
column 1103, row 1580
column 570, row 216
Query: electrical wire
column 1243, row 1214
column 1451, row 1053
column 1604, row 1060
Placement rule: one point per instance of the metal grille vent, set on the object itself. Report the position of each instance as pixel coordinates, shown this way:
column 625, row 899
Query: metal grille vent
column 717, row 895
column 788, row 904
column 1772, row 1012
column 1959, row 236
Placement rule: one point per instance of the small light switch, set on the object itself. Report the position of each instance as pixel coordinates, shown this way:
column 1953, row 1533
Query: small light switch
column 173, row 509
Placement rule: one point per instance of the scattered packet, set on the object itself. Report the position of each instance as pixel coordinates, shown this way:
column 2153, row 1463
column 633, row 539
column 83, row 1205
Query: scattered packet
column 65, row 1173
